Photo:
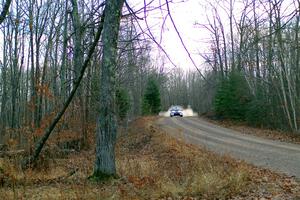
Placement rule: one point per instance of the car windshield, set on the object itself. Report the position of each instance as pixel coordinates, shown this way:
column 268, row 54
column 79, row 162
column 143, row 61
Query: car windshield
column 176, row 108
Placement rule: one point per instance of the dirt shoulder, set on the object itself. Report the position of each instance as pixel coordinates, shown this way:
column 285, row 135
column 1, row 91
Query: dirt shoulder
column 260, row 132
column 151, row 165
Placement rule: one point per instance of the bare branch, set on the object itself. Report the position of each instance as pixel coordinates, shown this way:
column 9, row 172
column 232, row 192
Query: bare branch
column 182, row 42
column 39, row 146
column 4, row 11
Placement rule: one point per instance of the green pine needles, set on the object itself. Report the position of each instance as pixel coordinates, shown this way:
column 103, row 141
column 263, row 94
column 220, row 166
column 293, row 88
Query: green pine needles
column 122, row 102
column 232, row 97
column 151, row 100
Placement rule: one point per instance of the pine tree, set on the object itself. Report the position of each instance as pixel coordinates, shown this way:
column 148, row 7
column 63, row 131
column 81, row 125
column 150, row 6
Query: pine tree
column 122, row 103
column 232, row 97
column 151, row 99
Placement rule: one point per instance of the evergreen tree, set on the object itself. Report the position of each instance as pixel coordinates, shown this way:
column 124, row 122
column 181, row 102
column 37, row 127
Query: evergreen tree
column 151, row 99
column 122, row 102
column 232, row 97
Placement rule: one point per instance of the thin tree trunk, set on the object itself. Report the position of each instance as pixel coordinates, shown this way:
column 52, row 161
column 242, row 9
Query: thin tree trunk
column 297, row 61
column 41, row 22
column 231, row 35
column 224, row 45
column 282, row 70
column 33, row 85
column 14, row 74
column 27, row 162
column 78, row 57
column 54, row 75
column 45, row 64
column 27, row 91
column 5, row 10
column 63, row 90
column 4, row 89
column 256, row 42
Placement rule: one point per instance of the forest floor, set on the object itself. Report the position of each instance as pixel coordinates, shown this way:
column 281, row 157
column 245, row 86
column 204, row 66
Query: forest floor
column 150, row 165
column 244, row 128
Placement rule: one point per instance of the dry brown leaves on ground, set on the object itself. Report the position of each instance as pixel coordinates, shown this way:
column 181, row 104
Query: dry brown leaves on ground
column 151, row 165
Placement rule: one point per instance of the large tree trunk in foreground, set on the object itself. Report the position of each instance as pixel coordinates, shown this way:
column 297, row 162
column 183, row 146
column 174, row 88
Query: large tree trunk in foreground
column 106, row 123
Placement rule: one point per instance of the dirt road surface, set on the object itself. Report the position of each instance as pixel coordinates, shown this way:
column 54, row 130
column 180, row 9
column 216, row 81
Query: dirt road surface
column 278, row 156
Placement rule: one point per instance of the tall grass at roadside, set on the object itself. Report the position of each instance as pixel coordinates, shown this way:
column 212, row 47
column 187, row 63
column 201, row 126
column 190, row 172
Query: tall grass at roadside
column 168, row 167
column 150, row 165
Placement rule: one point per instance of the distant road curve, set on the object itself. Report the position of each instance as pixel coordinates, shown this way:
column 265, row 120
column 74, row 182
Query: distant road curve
column 275, row 155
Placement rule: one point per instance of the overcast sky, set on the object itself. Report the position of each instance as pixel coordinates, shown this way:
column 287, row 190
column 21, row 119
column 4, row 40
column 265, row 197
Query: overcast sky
column 187, row 13
column 185, row 16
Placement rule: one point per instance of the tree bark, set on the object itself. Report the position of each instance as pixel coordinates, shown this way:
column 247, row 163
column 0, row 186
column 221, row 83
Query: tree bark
column 231, row 35
column 4, row 11
column 106, row 123
column 78, row 57
column 4, row 89
column 32, row 74
column 40, row 27
column 27, row 162
column 14, row 74
column 63, row 90
column 256, row 40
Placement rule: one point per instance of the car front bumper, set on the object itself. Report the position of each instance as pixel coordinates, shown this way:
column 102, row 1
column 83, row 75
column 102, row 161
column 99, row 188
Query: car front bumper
column 176, row 114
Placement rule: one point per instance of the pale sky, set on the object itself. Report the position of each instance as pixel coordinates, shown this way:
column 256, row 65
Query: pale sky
column 185, row 14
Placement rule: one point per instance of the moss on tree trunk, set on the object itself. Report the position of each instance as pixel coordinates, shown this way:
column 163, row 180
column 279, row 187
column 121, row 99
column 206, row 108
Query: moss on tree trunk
column 107, row 124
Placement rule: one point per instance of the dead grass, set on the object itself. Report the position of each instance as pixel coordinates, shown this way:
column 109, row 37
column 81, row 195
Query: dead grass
column 151, row 165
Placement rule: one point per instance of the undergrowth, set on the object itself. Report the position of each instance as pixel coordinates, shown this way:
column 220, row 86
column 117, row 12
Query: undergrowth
column 150, row 165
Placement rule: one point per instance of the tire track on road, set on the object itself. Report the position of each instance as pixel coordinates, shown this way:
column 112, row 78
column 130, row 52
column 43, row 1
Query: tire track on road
column 279, row 156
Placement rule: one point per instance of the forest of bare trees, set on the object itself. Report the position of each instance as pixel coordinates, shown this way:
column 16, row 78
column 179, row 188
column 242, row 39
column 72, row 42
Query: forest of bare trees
column 64, row 65
column 252, row 65
column 44, row 44
column 84, row 85
column 55, row 76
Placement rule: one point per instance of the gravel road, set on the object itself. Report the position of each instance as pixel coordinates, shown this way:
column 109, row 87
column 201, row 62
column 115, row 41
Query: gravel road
column 275, row 155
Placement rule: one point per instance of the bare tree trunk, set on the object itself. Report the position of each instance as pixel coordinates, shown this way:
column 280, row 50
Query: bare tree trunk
column 41, row 23
column 33, row 85
column 54, row 72
column 224, row 45
column 283, row 70
column 297, row 45
column 63, row 90
column 37, row 119
column 49, row 47
column 27, row 162
column 4, row 89
column 27, row 92
column 256, row 41
column 219, row 52
column 215, row 32
column 231, row 35
column 106, row 123
column 225, row 50
column 5, row 10
column 78, row 57
column 14, row 74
